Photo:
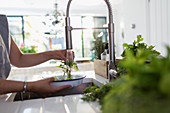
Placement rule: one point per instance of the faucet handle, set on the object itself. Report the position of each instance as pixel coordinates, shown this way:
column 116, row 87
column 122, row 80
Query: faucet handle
column 112, row 74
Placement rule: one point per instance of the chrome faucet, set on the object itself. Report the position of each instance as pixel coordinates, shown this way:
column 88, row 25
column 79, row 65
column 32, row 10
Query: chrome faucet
column 112, row 70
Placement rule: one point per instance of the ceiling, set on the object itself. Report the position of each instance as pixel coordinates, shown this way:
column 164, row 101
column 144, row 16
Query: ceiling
column 41, row 7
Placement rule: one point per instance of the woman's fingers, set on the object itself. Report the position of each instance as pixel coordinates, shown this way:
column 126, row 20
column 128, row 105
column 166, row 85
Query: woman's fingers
column 61, row 87
column 51, row 79
column 58, row 88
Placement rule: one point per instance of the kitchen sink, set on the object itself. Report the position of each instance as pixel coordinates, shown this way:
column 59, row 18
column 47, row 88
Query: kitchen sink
column 69, row 91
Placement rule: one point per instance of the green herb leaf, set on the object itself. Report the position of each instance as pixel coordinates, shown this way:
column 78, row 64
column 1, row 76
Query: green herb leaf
column 125, row 45
column 67, row 66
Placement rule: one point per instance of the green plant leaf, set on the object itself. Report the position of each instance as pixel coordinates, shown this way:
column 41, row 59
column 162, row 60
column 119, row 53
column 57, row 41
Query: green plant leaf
column 134, row 43
column 139, row 38
column 67, row 66
column 125, row 45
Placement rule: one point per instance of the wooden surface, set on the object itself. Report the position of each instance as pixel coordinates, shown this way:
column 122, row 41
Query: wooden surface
column 101, row 67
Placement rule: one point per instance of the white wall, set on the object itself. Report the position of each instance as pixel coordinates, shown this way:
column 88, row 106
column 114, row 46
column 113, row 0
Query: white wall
column 126, row 14
column 160, row 24
column 150, row 17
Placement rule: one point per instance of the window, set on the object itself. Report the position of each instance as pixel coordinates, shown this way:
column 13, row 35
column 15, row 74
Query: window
column 37, row 31
column 16, row 28
column 82, row 39
column 40, row 31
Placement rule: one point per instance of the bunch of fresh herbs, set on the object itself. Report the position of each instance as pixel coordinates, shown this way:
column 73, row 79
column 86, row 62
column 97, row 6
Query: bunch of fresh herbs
column 145, row 88
column 141, row 78
column 136, row 45
column 67, row 68
column 95, row 93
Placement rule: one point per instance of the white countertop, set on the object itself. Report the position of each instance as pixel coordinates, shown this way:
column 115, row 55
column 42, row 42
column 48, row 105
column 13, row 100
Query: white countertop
column 67, row 104
column 62, row 104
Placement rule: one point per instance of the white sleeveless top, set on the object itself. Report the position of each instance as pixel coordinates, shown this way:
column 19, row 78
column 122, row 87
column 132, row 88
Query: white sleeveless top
column 5, row 66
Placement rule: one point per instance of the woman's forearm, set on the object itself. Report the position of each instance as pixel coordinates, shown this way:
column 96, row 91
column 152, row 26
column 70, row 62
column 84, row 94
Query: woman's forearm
column 7, row 86
column 42, row 87
column 31, row 59
column 19, row 59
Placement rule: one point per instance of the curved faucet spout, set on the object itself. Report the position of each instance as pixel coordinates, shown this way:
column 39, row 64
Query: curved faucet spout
column 68, row 30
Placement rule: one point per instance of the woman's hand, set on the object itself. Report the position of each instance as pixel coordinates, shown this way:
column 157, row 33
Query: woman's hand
column 43, row 87
column 62, row 54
